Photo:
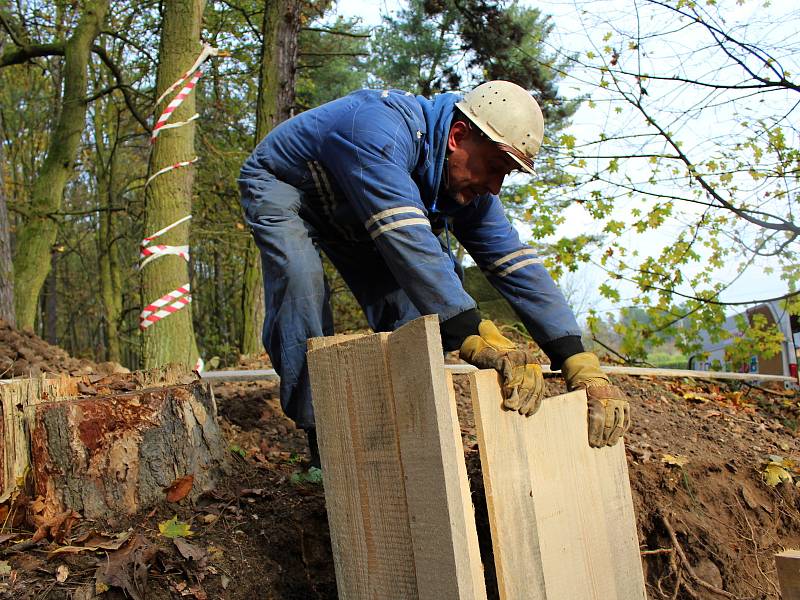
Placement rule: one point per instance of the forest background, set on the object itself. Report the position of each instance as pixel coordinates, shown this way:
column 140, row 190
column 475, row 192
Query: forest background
column 681, row 183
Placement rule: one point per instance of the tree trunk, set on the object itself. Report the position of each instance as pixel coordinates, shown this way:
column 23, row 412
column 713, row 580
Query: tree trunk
column 37, row 236
column 107, row 254
column 281, row 28
column 169, row 197
column 112, row 446
column 50, row 312
column 6, row 266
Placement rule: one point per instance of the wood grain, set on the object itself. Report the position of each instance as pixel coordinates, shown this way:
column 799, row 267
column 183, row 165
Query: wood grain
column 363, row 477
column 561, row 513
column 442, row 517
column 788, row 565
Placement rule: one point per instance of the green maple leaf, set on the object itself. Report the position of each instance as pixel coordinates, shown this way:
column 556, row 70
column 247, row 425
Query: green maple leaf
column 174, row 528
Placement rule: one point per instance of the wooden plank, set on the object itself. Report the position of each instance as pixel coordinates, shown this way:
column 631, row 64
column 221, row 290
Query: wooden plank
column 788, row 565
column 561, row 512
column 331, row 340
column 365, row 495
column 445, row 539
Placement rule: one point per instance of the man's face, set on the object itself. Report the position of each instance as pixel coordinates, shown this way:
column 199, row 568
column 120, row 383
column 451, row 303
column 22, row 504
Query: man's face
column 475, row 164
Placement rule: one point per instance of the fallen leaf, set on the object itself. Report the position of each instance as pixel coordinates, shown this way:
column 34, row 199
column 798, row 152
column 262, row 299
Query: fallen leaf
column 5, row 568
column 748, row 498
column 93, row 542
column 174, row 528
column 695, row 397
column 191, row 552
column 62, row 572
column 225, row 581
column 55, row 527
column 675, row 461
column 8, row 536
column 127, row 567
column 774, row 473
column 179, row 489
column 209, row 518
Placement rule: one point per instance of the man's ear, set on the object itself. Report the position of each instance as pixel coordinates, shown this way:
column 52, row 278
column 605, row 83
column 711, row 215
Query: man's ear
column 459, row 131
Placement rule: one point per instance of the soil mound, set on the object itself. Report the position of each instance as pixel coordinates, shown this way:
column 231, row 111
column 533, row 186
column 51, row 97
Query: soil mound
column 24, row 354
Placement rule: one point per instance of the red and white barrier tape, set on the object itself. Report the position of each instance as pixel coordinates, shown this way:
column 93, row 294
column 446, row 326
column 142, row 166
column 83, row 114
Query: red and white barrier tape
column 175, row 300
column 177, row 165
column 175, row 103
column 150, row 253
column 150, row 238
column 168, row 304
column 207, row 52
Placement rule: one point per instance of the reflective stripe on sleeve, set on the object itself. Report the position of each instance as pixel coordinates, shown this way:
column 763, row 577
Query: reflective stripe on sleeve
column 391, row 212
column 397, row 224
column 519, row 265
column 495, row 266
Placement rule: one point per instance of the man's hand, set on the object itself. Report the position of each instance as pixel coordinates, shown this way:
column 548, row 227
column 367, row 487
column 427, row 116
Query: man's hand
column 609, row 411
column 523, row 383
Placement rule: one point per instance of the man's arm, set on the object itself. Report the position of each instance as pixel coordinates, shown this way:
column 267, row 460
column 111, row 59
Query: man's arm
column 371, row 153
column 518, row 274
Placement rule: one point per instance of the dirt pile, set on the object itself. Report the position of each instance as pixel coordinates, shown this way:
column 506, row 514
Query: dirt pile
column 24, row 354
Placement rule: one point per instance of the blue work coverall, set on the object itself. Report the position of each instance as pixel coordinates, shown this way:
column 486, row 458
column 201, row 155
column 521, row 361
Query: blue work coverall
column 359, row 178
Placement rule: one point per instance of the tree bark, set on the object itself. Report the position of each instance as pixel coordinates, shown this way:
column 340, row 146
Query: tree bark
column 107, row 253
column 6, row 266
column 50, row 312
column 276, row 94
column 169, row 196
column 38, row 234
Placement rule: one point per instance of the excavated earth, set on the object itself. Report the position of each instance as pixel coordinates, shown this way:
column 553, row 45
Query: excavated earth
column 710, row 514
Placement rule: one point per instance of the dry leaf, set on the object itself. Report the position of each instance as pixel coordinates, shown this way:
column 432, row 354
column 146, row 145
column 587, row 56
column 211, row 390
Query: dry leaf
column 93, row 542
column 695, row 397
column 179, row 489
column 675, row 461
column 62, row 572
column 127, row 568
column 774, row 473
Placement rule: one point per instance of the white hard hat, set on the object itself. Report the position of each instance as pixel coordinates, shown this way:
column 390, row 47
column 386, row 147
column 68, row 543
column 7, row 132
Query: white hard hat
column 509, row 116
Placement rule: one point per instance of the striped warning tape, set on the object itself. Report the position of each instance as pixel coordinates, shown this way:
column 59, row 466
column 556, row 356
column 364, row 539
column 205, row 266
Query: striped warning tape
column 175, row 103
column 177, row 165
column 150, row 253
column 207, row 52
column 168, row 304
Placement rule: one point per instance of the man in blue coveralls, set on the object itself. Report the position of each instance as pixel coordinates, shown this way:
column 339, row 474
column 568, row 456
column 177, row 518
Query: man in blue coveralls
column 371, row 180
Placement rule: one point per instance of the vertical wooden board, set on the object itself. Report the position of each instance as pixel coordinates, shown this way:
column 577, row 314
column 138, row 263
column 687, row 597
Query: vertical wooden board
column 363, row 478
column 331, row 340
column 788, row 566
column 443, row 531
column 561, row 512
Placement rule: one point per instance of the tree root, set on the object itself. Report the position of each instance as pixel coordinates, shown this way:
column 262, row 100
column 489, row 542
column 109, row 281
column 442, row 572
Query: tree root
column 688, row 567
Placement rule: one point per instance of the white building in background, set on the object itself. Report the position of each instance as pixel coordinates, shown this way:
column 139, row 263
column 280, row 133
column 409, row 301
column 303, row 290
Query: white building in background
column 784, row 363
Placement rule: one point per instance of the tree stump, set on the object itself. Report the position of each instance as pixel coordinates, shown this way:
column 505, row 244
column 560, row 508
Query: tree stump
column 109, row 446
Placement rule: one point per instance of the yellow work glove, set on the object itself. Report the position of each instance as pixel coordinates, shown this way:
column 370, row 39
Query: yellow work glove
column 609, row 411
column 522, row 380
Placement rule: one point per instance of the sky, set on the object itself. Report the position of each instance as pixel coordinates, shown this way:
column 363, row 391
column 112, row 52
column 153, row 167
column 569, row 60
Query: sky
column 579, row 27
